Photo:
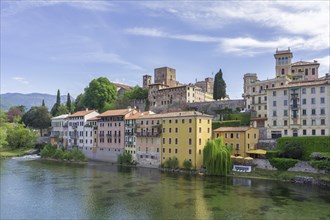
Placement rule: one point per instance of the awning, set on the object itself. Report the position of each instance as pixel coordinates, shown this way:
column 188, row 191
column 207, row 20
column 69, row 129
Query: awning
column 248, row 158
column 259, row 151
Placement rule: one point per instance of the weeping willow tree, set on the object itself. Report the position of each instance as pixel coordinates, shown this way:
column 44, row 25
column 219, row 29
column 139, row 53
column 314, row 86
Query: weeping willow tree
column 217, row 158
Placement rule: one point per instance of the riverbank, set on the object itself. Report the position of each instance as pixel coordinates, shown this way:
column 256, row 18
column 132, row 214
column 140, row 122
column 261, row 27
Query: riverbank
column 287, row 176
column 9, row 152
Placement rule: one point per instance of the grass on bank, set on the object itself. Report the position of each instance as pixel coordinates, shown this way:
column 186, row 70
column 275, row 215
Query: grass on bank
column 280, row 175
column 11, row 152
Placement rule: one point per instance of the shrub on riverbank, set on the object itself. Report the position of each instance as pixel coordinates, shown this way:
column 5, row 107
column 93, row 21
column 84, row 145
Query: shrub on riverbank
column 50, row 151
column 283, row 164
column 125, row 158
column 171, row 163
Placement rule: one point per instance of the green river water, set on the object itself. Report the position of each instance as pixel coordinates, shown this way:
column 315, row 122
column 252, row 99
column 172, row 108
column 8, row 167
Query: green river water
column 38, row 189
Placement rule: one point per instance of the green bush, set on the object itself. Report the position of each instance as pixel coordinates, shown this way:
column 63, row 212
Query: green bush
column 171, row 163
column 321, row 164
column 187, row 164
column 243, row 118
column 77, row 155
column 309, row 144
column 48, row 151
column 125, row 158
column 67, row 155
column 272, row 153
column 293, row 150
column 283, row 164
column 58, row 154
column 231, row 123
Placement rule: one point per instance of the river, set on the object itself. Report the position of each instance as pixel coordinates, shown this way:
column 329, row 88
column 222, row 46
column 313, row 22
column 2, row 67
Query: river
column 38, row 189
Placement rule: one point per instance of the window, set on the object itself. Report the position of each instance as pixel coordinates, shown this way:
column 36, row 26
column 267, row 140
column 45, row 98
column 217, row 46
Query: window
column 176, row 150
column 306, row 72
column 169, row 150
column 176, row 130
column 313, row 111
column 304, row 112
column 200, row 152
column 322, row 89
column 189, row 151
column 313, row 101
column 163, row 140
column 255, row 136
column 200, row 141
column 304, row 132
column 285, row 123
column 200, row 130
column 304, row 101
column 274, row 103
column 190, row 129
column 237, row 135
column 248, row 136
column 182, row 121
column 190, row 142
column 285, row 132
column 285, row 103
column 322, row 132
column 285, row 92
column 322, row 100
column 313, row 90
column 176, row 121
column 274, row 113
column 274, row 123
column 313, row 122
column 170, row 141
column 313, row 132
column 190, row 121
column 274, row 93
column 237, row 146
column 303, row 90
column 282, row 72
column 322, row 111
column 231, row 135
column 285, row 113
column 170, row 130
column 322, row 121
column 313, row 71
column 304, row 122
column 176, row 141
column 163, row 150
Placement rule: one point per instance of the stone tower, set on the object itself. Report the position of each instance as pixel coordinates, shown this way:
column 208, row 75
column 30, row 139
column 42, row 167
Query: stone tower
column 283, row 62
column 146, row 81
column 165, row 76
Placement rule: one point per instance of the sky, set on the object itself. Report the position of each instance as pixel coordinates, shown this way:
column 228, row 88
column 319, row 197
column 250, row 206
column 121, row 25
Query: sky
column 51, row 45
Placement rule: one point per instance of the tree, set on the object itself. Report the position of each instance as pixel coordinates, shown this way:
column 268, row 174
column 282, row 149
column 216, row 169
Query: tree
column 55, row 107
column 99, row 93
column 3, row 128
column 136, row 93
column 14, row 112
column 216, row 157
column 62, row 110
column 69, row 104
column 219, row 88
column 79, row 102
column 43, row 103
column 37, row 118
column 19, row 136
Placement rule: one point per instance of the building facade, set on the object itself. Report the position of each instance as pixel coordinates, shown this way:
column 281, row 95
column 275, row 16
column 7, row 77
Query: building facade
column 300, row 109
column 76, row 127
column 241, row 139
column 59, row 133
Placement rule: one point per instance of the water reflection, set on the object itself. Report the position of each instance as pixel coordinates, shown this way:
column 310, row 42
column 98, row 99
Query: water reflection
column 104, row 191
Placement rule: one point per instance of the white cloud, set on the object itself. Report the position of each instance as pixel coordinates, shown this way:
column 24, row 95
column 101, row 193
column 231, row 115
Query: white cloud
column 21, row 80
column 13, row 7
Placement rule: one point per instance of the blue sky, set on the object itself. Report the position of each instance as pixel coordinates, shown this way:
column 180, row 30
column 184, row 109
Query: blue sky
column 50, row 45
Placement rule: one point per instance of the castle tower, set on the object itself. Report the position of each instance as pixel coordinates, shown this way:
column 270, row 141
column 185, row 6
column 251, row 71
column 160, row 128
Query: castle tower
column 165, row 76
column 146, row 81
column 283, row 62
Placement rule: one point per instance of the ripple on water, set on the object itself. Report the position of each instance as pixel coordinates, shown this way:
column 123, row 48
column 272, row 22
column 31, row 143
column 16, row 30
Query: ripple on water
column 215, row 209
column 116, row 190
column 96, row 187
column 144, row 190
column 208, row 196
column 136, row 183
column 105, row 182
column 134, row 194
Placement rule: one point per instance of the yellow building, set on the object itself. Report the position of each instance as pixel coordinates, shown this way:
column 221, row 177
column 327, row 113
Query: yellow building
column 242, row 139
column 184, row 135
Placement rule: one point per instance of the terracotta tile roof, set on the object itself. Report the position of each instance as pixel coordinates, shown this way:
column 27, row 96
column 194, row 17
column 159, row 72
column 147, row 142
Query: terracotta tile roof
column 224, row 129
column 81, row 113
column 117, row 112
column 177, row 114
column 126, row 87
column 140, row 114
column 94, row 119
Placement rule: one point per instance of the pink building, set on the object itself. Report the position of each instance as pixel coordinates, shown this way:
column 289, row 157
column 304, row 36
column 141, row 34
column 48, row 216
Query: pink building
column 111, row 131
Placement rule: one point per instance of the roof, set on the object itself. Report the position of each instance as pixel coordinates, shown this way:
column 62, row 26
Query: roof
column 60, row 117
column 93, row 119
column 126, row 87
column 303, row 63
column 302, row 83
column 140, row 114
column 224, row 129
column 177, row 114
column 117, row 112
column 81, row 113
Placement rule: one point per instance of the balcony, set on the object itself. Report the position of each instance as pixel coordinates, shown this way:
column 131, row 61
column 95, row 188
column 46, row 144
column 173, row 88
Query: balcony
column 148, row 134
column 294, row 107
column 109, row 135
column 130, row 125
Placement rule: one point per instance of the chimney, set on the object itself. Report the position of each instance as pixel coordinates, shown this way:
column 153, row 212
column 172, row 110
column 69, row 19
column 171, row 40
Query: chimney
column 86, row 109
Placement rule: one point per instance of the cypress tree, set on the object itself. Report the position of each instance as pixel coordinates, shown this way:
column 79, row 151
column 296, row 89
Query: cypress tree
column 55, row 107
column 68, row 103
column 219, row 88
column 43, row 103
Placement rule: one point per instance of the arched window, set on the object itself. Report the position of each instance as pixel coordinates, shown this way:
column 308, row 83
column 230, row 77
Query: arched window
column 283, row 71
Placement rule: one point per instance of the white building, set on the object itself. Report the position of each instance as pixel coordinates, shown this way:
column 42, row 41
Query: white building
column 77, row 127
column 59, row 131
column 301, row 108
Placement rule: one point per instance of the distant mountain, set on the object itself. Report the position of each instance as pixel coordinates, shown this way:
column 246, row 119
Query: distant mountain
column 28, row 100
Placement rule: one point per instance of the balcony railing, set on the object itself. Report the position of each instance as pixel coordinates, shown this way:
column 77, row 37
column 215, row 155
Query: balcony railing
column 147, row 134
